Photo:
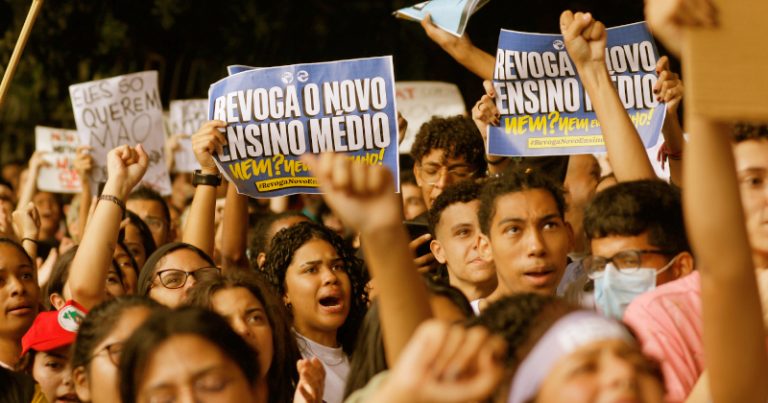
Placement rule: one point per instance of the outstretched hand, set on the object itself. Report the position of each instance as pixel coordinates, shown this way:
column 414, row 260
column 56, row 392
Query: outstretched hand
column 362, row 195
column 207, row 141
column 669, row 87
column 26, row 221
column 447, row 363
column 443, row 38
column 311, row 384
column 585, row 38
column 126, row 166
column 668, row 18
column 485, row 113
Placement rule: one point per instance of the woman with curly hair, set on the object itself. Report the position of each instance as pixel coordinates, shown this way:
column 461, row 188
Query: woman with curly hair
column 322, row 284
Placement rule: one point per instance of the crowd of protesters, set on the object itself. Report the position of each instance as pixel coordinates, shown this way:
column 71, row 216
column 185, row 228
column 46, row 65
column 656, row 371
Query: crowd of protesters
column 541, row 279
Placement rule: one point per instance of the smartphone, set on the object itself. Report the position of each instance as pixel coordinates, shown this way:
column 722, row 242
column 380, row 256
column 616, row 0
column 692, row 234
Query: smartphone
column 415, row 230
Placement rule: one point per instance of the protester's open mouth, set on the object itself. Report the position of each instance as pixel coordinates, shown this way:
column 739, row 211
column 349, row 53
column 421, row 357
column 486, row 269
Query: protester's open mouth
column 69, row 397
column 332, row 303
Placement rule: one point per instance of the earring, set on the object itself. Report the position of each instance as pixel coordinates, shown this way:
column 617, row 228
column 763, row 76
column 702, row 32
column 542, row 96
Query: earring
column 289, row 306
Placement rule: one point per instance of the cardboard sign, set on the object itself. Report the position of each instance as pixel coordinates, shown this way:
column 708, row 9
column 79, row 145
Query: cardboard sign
column 419, row 101
column 122, row 110
column 544, row 108
column 276, row 114
column 60, row 146
column 186, row 117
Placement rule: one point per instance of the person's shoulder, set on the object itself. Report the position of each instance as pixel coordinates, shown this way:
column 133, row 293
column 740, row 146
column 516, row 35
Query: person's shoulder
column 680, row 292
column 16, row 387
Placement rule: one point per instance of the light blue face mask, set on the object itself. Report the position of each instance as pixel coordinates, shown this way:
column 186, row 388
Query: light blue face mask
column 615, row 289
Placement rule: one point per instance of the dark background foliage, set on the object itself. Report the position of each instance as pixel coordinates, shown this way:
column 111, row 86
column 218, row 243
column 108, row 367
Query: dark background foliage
column 190, row 43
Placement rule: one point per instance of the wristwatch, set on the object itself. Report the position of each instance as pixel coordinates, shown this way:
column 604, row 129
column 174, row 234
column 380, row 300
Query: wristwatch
column 198, row 178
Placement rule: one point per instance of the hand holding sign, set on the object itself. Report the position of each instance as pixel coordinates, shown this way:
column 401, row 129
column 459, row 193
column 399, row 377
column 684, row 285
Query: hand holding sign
column 585, row 38
column 125, row 167
column 485, row 112
column 362, row 195
column 83, row 163
column 669, row 88
column 207, row 141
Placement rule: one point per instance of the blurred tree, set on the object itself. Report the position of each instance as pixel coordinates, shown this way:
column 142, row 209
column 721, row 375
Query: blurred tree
column 190, row 42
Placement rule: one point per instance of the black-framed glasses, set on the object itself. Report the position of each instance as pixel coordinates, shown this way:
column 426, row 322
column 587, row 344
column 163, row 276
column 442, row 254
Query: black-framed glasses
column 431, row 174
column 176, row 278
column 113, row 351
column 627, row 261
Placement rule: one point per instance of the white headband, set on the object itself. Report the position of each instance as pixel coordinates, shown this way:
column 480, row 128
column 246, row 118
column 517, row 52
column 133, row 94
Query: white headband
column 566, row 335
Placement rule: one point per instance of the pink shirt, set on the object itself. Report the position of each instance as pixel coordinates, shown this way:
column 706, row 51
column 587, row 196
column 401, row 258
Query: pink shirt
column 667, row 322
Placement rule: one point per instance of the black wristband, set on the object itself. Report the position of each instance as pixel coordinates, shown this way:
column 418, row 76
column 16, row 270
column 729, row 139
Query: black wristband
column 209, row 180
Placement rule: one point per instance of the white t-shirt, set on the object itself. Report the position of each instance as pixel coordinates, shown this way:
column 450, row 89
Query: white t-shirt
column 335, row 362
column 476, row 306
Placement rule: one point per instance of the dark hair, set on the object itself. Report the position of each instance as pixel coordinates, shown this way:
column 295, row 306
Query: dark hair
column 513, row 182
column 453, row 294
column 745, row 131
column 632, row 208
column 131, row 258
column 462, row 192
column 7, row 184
column 289, row 240
column 370, row 356
column 163, row 325
column 282, row 374
column 13, row 243
column 100, row 322
column 59, row 276
column 407, row 177
column 147, row 273
column 145, row 193
column 260, row 242
column 520, row 319
column 146, row 234
column 456, row 135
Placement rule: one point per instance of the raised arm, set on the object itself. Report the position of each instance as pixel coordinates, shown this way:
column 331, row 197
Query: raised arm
column 26, row 221
column 364, row 199
column 734, row 335
column 585, row 39
column 669, row 89
column 235, row 229
column 461, row 49
column 200, row 229
column 83, row 165
column 90, row 266
column 484, row 114
column 28, row 188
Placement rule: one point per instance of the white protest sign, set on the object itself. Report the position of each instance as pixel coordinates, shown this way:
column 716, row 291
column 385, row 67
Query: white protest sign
column 122, row 110
column 59, row 146
column 419, row 101
column 186, row 117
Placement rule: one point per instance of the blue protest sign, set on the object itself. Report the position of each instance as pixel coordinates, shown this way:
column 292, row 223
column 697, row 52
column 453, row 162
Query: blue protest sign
column 543, row 105
column 276, row 114
column 238, row 68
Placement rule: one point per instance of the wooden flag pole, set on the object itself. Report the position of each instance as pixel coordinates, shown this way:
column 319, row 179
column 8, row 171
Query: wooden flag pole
column 34, row 10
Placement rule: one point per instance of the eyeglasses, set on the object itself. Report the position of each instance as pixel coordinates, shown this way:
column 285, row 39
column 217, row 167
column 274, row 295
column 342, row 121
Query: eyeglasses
column 627, row 261
column 113, row 351
column 175, row 278
column 431, row 174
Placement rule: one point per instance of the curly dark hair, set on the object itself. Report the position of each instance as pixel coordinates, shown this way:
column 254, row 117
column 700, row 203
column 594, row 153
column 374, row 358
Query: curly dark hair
column 521, row 319
column 456, row 135
column 282, row 375
column 289, row 240
column 512, row 182
column 745, row 131
column 462, row 192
